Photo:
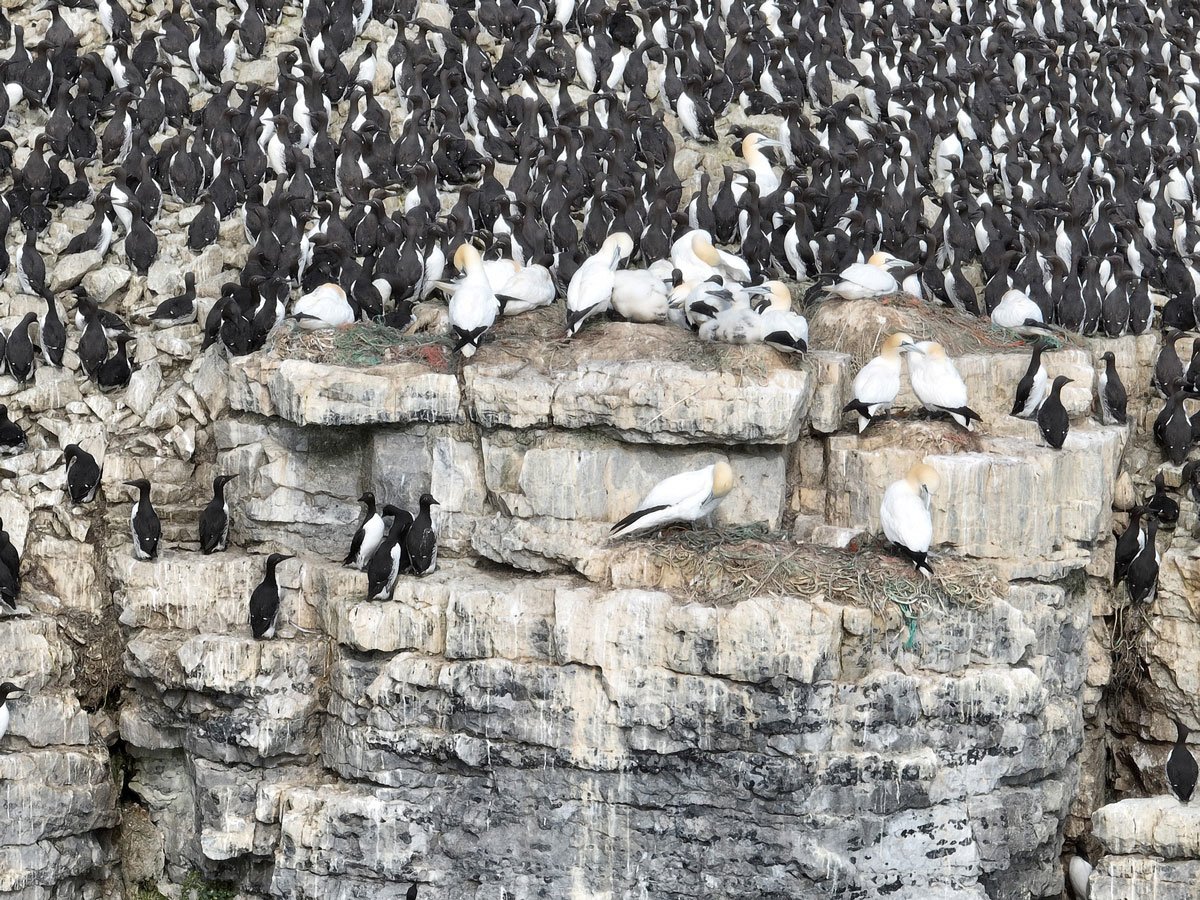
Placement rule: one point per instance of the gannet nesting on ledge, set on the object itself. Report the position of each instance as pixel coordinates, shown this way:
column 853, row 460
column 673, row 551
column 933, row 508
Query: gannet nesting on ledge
column 905, row 515
column 783, row 329
column 696, row 258
column 325, row 307
column 937, row 384
column 681, row 498
column 473, row 305
column 859, row 281
column 529, row 287
column 878, row 382
column 591, row 287
column 1016, row 310
column 640, row 295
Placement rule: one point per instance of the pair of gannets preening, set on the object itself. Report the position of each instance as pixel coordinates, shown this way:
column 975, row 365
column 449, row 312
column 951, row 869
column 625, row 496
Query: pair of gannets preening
column 934, row 377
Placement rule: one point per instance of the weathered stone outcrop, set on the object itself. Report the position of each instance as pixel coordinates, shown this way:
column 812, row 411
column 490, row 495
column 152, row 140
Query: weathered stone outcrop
column 551, row 714
column 579, row 700
column 1152, row 847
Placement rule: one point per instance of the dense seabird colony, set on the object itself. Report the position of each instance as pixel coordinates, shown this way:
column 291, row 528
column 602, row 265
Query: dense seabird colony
column 1034, row 163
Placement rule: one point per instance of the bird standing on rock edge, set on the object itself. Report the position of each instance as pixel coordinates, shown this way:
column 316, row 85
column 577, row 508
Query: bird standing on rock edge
column 1052, row 419
column 83, row 474
column 214, row 520
column 937, row 384
column 1032, row 388
column 264, row 601
column 390, row 557
column 367, row 537
column 878, row 382
column 420, row 540
column 1111, row 393
column 144, row 524
column 1181, row 766
column 1141, row 578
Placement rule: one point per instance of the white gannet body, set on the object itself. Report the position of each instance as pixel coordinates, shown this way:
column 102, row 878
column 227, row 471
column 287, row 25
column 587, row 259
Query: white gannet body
column 905, row 515
column 473, row 305
column 591, row 287
column 681, row 498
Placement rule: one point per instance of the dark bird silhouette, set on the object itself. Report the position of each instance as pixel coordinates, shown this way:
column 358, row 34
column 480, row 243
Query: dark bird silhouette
column 264, row 601
column 144, row 523
column 214, row 520
column 1181, row 766
column 83, row 474
column 1111, row 393
column 1052, row 418
column 420, row 541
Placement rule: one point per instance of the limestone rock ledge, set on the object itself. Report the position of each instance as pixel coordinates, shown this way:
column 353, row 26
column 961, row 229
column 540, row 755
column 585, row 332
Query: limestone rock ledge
column 57, row 796
column 620, row 378
column 548, row 690
column 1153, row 850
column 611, row 734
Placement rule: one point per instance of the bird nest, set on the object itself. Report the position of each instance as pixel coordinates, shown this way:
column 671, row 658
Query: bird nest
column 363, row 345
column 730, row 565
column 539, row 339
column 859, row 327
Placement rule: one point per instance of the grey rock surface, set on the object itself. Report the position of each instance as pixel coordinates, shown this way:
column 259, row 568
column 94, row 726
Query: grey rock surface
column 550, row 714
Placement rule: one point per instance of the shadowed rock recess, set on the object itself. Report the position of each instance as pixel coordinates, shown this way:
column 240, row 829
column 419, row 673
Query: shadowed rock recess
column 772, row 708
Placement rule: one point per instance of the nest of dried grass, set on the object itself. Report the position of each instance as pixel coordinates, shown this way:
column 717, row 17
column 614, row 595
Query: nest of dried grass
column 538, row 338
column 859, row 327
column 363, row 345
column 729, row 565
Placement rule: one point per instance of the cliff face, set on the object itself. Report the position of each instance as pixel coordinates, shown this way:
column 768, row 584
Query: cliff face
column 754, row 714
column 550, row 714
